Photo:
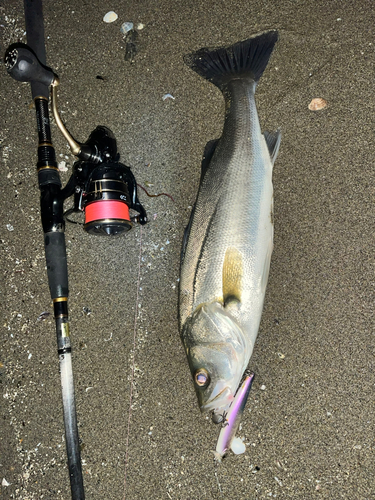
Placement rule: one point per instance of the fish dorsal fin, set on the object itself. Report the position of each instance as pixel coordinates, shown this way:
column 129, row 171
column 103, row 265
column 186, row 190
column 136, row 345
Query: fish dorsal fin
column 273, row 143
column 186, row 236
column 232, row 275
column 209, row 151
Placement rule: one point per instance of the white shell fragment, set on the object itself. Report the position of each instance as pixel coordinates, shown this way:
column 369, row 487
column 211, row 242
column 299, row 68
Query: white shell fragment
column 4, row 482
column 62, row 166
column 140, row 26
column 317, row 104
column 168, row 96
column 238, row 446
column 126, row 27
column 110, row 17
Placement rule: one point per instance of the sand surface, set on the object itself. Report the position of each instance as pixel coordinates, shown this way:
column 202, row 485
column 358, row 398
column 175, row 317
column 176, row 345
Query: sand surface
column 310, row 431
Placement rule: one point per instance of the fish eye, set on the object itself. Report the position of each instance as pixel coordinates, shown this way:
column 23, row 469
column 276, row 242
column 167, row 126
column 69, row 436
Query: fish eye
column 201, row 377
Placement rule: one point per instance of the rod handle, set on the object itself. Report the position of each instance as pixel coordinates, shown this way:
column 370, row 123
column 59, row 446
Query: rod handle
column 57, row 268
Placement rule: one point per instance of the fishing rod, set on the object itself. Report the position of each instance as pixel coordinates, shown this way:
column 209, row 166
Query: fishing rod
column 104, row 190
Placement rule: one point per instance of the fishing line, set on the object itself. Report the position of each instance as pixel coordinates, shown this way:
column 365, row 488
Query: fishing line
column 217, row 480
column 133, row 364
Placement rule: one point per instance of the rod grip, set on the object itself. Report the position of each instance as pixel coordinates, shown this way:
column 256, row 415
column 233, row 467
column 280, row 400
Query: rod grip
column 57, row 268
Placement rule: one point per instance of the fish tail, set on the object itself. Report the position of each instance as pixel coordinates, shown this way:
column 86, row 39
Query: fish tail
column 247, row 59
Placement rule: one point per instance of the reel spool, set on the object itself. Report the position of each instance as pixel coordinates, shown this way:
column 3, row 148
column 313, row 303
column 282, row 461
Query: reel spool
column 107, row 201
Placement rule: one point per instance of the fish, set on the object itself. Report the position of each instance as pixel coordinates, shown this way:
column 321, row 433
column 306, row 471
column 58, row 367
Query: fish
column 228, row 242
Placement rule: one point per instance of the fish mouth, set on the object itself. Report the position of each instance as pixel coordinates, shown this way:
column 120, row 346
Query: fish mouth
column 221, row 401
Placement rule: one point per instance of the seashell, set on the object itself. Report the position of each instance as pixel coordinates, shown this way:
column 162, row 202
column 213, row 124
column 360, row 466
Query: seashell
column 140, row 26
column 62, row 166
column 110, row 17
column 238, row 446
column 126, row 27
column 168, row 96
column 42, row 316
column 317, row 104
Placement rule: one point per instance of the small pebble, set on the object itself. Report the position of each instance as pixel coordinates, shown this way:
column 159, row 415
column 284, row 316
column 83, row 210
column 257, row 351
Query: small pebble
column 140, row 26
column 262, row 387
column 281, row 355
column 317, row 104
column 10, row 227
column 110, row 17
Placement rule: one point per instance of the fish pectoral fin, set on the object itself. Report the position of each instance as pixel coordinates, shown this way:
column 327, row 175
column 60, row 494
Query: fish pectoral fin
column 273, row 140
column 232, row 276
column 266, row 267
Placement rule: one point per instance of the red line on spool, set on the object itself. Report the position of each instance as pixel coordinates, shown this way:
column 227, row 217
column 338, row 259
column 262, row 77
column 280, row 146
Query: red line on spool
column 106, row 209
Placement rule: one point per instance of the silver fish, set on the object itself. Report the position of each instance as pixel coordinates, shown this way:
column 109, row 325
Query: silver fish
column 228, row 242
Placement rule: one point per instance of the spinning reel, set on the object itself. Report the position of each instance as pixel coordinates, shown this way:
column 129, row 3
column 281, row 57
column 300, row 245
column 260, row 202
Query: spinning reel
column 104, row 189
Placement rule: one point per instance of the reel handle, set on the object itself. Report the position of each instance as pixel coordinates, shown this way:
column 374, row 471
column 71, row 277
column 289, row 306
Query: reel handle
column 24, row 66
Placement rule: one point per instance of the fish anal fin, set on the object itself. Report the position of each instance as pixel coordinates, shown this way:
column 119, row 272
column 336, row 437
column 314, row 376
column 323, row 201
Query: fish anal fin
column 232, row 275
column 273, row 140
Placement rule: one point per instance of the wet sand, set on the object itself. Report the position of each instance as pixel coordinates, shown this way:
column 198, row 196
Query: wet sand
column 310, row 431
